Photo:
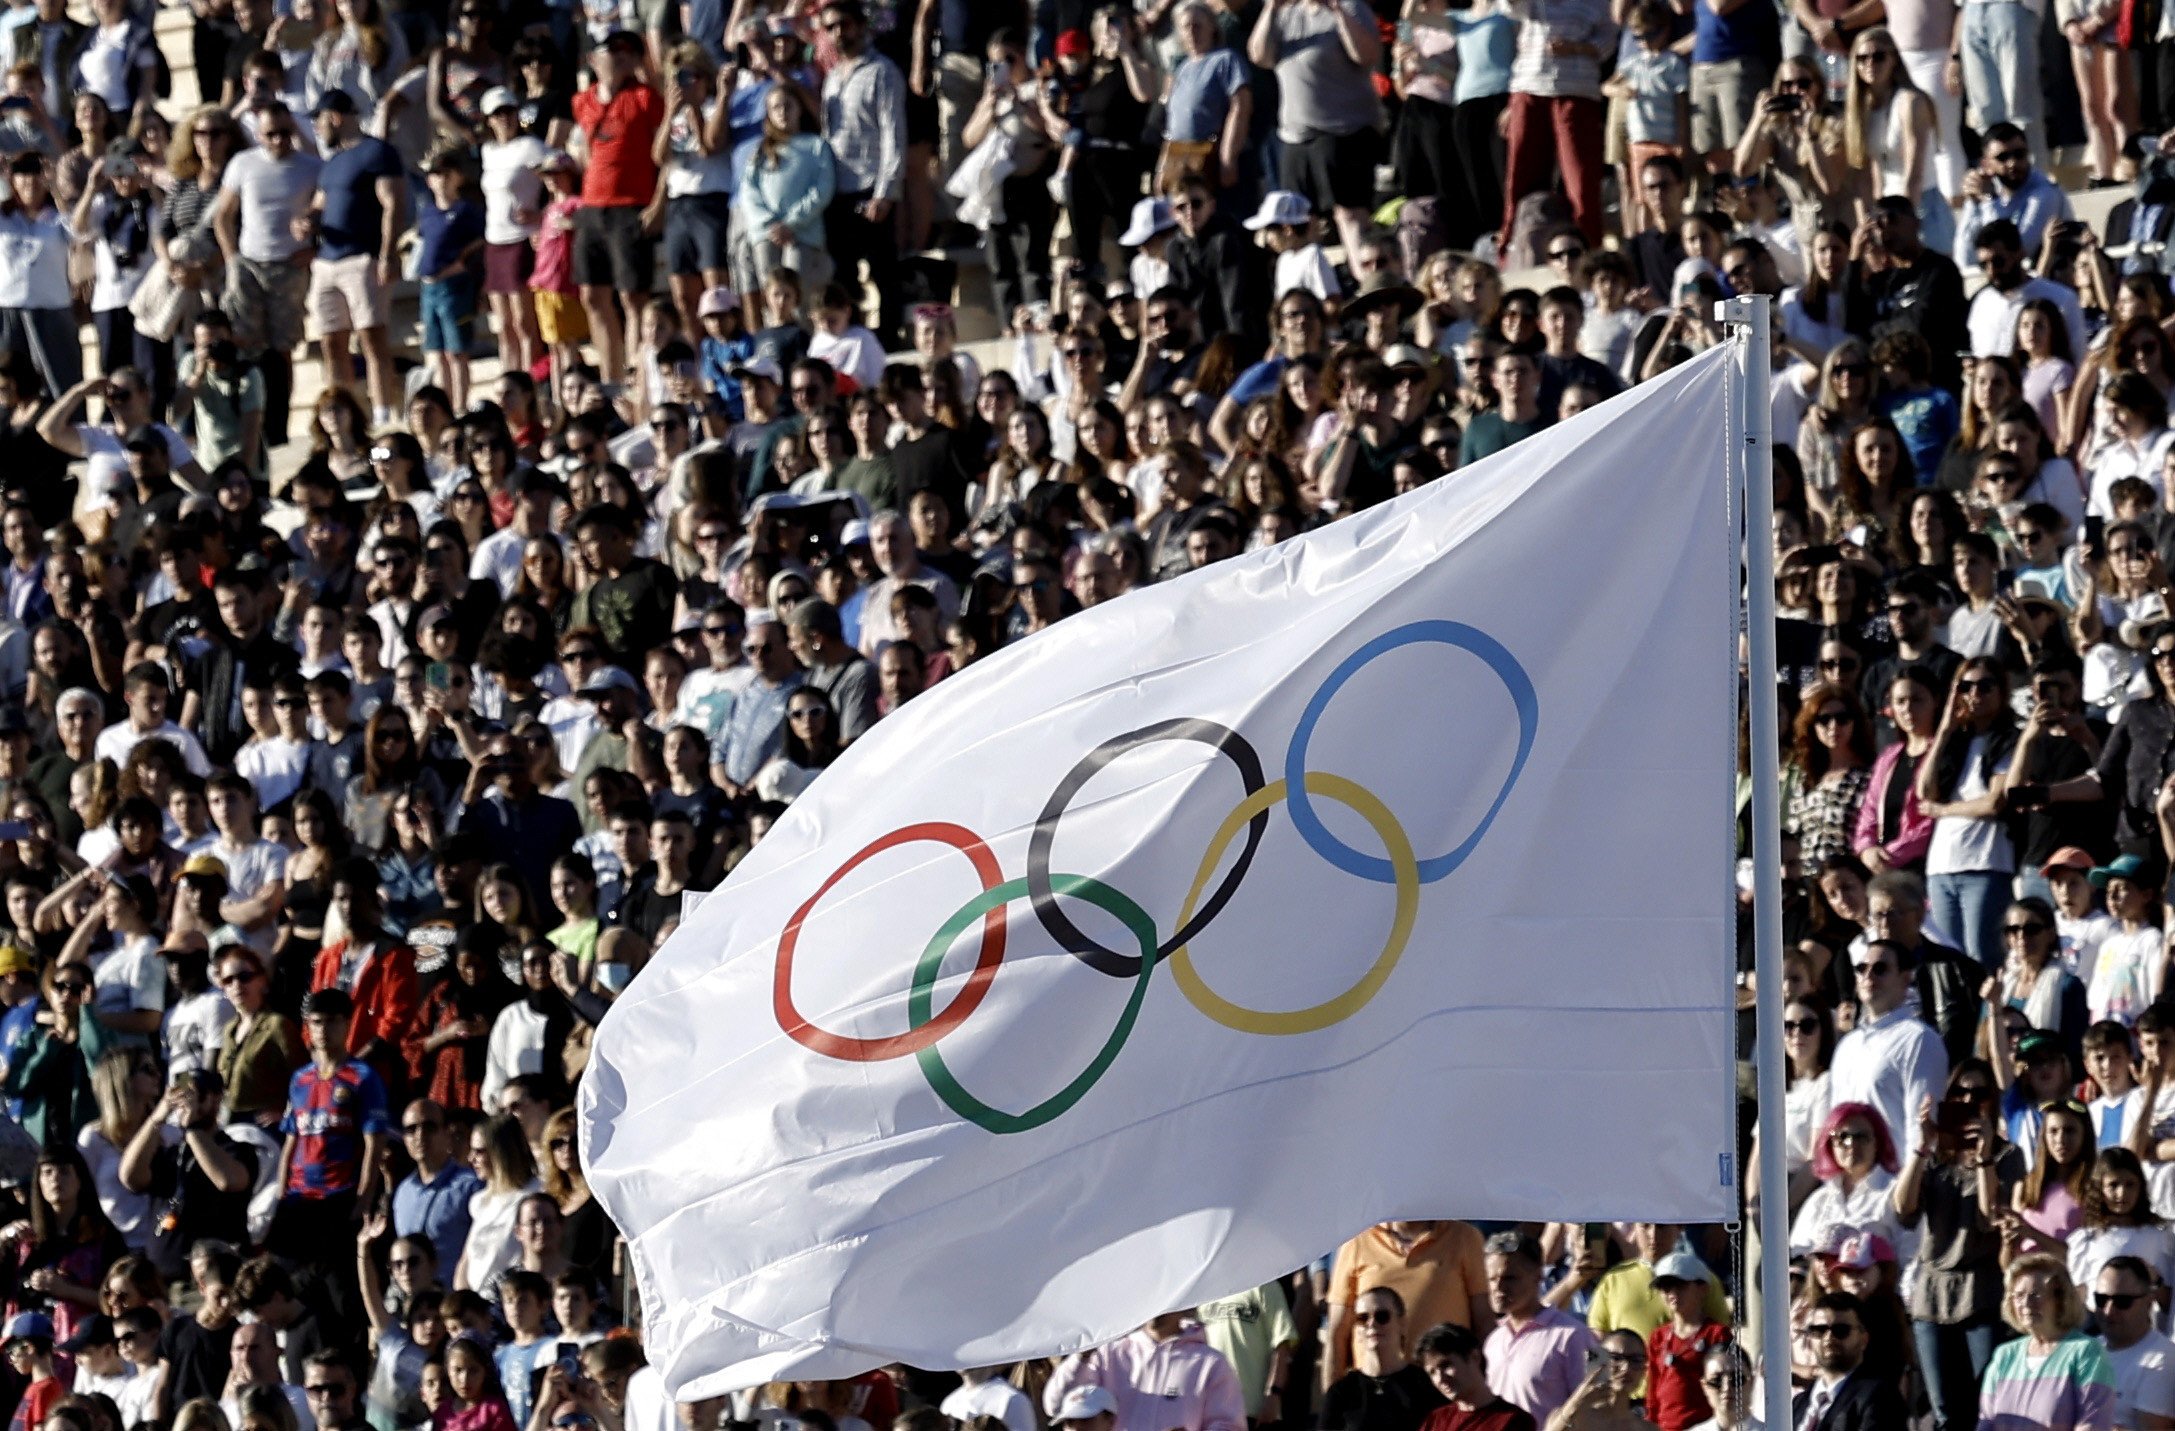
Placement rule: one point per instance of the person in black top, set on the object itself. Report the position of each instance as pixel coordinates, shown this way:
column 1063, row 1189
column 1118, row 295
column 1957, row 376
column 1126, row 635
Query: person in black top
column 1893, row 276
column 1218, row 266
column 242, row 652
column 195, row 1352
column 927, row 458
column 200, row 1186
column 1106, row 93
column 630, row 601
column 1384, row 1390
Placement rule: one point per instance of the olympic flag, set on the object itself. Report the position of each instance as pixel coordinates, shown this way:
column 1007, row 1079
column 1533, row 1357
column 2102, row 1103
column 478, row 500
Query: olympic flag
column 1383, row 873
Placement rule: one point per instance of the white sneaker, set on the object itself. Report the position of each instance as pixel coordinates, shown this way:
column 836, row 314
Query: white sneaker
column 1060, row 187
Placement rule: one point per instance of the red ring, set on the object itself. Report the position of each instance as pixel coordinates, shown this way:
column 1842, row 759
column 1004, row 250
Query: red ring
column 804, row 1032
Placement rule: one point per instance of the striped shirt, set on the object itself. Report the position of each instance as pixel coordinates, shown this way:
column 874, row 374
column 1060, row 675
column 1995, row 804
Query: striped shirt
column 2072, row 1386
column 1534, row 70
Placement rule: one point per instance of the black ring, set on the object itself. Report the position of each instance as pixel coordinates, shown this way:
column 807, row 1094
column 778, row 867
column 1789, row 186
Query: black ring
column 1044, row 899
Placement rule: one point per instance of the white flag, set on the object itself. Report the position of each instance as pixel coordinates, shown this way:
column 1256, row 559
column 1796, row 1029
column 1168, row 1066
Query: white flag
column 1383, row 873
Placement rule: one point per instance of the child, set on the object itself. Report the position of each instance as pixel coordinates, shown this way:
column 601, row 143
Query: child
column 1974, row 627
column 1656, row 85
column 451, row 227
column 1677, row 1351
column 1286, row 222
column 2126, row 977
column 560, row 321
column 725, row 343
column 29, row 1351
column 847, row 346
column 784, row 336
column 522, row 1296
column 2080, row 925
column 1611, row 320
column 2107, row 1059
column 476, row 1402
column 1148, row 235
column 115, row 214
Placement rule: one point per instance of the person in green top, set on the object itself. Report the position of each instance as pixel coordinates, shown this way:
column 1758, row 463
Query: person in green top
column 50, row 1072
column 1517, row 415
column 1254, row 1331
column 869, row 472
column 574, row 892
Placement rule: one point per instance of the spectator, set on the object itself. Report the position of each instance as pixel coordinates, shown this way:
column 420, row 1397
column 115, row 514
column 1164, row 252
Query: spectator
column 2070, row 1384
column 2139, row 1355
column 1384, row 1390
column 1537, row 1354
column 1164, row 1373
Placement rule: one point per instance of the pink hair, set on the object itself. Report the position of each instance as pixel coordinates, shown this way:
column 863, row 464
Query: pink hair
column 1824, row 1165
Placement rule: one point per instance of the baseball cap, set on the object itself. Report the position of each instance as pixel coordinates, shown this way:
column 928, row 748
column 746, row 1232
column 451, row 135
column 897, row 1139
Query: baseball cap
column 205, row 866
column 95, row 1330
column 1401, row 356
column 762, row 365
column 854, row 534
column 1681, row 1264
column 718, row 300
column 15, row 959
column 436, row 615
column 1281, row 209
column 1150, row 217
column 338, row 101
column 2129, row 867
column 2036, row 1044
column 1083, row 1402
column 610, row 678
column 497, row 98
column 1072, row 42
column 36, row 1326
column 1865, row 1249
column 2068, row 857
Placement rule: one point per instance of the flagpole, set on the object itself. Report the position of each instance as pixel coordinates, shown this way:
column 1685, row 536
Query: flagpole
column 1749, row 318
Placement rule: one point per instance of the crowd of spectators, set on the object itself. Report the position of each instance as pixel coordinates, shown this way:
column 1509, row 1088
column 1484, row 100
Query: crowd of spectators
column 350, row 767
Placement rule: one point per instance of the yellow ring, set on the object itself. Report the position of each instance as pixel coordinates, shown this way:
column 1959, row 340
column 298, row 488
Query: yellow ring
column 1406, row 869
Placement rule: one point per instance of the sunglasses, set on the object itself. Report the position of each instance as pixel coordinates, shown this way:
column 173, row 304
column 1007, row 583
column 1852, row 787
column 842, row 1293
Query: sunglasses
column 235, row 978
column 2029, row 927
column 1833, row 718
column 1979, row 684
column 1841, row 1331
column 1379, row 1317
column 1565, row 255
column 1804, row 1026
column 1853, row 370
column 559, row 1144
column 2116, row 1301
column 71, row 986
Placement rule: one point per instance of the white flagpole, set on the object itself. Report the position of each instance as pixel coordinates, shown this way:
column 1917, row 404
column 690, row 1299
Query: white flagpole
column 1749, row 318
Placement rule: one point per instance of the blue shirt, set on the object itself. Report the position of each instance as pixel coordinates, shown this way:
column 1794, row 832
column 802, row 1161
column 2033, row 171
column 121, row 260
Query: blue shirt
column 438, row 1210
column 756, row 729
column 1749, row 30
column 718, row 357
column 353, row 221
column 1260, row 380
column 1486, row 47
column 1201, row 93
column 446, row 232
column 1927, row 421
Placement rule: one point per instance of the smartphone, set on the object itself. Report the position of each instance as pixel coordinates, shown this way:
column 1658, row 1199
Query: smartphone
column 570, row 1361
column 1788, row 103
column 1956, row 1117
column 2095, row 537
column 2029, row 796
column 14, row 829
column 438, row 676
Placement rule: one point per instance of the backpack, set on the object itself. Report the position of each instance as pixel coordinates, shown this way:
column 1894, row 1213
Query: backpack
column 1537, row 216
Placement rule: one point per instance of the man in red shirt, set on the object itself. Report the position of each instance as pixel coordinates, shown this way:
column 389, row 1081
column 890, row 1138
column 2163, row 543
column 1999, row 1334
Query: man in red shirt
column 618, row 117
column 1452, row 1358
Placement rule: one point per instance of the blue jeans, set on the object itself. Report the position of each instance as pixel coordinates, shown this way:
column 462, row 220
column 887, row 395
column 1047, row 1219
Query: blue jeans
column 2001, row 69
column 1966, row 908
column 1953, row 1360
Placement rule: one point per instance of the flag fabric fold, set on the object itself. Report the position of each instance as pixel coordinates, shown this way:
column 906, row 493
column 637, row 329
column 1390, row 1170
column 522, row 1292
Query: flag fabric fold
column 1382, row 873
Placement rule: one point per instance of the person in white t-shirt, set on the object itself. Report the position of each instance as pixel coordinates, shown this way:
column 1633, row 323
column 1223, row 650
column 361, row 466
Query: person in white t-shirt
column 2142, row 1358
column 982, row 1392
column 148, row 693
column 1288, row 221
column 513, row 207
column 101, row 1370
column 115, row 939
column 277, row 761
column 2082, row 927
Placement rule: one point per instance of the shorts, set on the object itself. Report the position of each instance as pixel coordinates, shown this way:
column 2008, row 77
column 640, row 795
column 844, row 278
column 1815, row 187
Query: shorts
column 698, row 233
column 1333, row 170
column 507, row 266
column 345, row 295
column 449, row 306
column 560, row 317
column 611, row 251
column 1616, row 136
column 1723, row 93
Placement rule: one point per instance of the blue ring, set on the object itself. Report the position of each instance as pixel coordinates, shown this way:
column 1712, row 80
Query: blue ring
column 1449, row 633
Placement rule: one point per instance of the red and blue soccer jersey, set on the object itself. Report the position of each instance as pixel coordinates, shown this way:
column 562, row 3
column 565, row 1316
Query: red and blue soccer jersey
column 329, row 1116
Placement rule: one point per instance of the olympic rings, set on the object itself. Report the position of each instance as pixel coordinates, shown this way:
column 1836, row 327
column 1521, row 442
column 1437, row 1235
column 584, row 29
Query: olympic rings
column 992, row 902
column 925, row 1030
column 1060, row 928
column 1449, row 633
column 1297, row 788
column 1356, row 797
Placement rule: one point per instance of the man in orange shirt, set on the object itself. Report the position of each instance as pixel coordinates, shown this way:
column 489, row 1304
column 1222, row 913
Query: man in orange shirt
column 618, row 117
column 1437, row 1267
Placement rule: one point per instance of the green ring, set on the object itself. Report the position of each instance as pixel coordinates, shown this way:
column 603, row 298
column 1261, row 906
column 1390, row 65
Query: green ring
column 920, row 1002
